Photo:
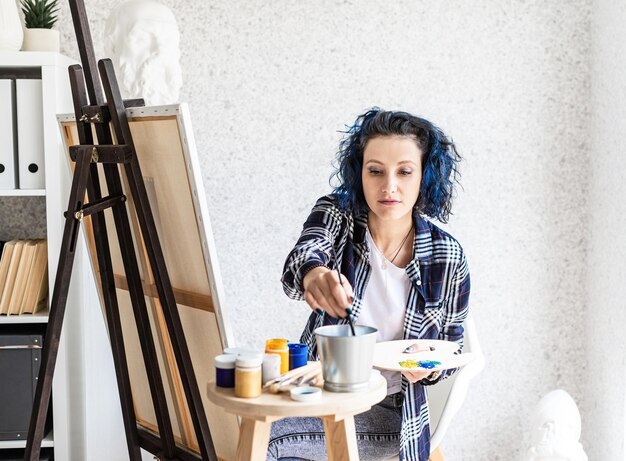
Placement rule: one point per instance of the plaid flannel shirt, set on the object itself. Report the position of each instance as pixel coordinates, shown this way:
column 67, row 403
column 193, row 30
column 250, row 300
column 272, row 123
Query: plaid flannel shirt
column 436, row 306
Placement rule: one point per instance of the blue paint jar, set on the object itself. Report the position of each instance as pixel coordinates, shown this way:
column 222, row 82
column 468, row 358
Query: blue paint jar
column 298, row 354
column 225, row 370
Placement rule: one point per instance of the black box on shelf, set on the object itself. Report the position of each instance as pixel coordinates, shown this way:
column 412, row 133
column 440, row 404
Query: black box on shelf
column 20, row 357
column 18, row 455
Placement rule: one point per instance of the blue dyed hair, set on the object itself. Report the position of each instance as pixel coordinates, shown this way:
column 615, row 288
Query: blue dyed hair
column 439, row 161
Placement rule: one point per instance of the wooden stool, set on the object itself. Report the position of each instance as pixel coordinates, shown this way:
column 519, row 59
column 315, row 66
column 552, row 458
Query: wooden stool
column 336, row 409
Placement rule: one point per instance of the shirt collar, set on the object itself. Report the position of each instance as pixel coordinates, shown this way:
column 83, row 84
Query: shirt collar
column 422, row 244
column 360, row 227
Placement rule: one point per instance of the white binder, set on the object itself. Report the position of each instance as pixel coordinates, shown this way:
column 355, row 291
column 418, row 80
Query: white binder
column 30, row 155
column 8, row 149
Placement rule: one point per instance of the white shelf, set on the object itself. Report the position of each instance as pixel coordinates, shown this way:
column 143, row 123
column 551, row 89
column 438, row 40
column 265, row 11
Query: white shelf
column 68, row 408
column 40, row 317
column 47, row 442
column 22, row 192
column 33, row 59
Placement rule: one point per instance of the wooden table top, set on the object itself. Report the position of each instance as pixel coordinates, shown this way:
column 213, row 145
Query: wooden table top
column 281, row 405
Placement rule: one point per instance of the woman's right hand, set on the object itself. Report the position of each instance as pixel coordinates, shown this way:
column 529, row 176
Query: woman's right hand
column 322, row 290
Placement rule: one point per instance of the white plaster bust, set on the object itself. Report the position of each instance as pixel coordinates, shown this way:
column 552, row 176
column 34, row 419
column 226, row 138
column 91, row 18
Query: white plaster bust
column 556, row 430
column 141, row 38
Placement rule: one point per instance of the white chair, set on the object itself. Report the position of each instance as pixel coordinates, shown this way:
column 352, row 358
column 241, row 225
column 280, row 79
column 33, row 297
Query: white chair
column 446, row 397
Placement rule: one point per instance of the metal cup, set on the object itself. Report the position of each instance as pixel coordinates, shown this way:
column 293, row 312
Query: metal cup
column 346, row 359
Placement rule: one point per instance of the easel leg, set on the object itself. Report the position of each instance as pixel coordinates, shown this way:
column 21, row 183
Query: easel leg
column 140, row 311
column 436, row 455
column 57, row 313
column 105, row 267
column 157, row 263
column 341, row 439
column 254, row 437
column 131, row 269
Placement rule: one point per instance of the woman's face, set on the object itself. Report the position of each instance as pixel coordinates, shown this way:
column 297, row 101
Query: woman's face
column 392, row 174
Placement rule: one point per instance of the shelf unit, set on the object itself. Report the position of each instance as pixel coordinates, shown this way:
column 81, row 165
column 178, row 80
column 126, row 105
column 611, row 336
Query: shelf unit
column 48, row 442
column 87, row 421
column 52, row 69
column 23, row 193
column 39, row 317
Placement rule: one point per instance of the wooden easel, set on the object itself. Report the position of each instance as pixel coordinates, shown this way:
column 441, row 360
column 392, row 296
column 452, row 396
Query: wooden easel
column 91, row 109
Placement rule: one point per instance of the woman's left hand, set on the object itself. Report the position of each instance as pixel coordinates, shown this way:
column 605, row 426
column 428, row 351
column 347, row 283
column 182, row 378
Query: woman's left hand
column 415, row 376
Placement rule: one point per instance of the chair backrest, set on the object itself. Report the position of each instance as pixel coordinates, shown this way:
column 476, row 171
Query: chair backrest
column 446, row 397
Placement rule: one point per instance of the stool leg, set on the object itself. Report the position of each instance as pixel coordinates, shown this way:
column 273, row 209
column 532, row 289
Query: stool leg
column 341, row 439
column 436, row 455
column 254, row 438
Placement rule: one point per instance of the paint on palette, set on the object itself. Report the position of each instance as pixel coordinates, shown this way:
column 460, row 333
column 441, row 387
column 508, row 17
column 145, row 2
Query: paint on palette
column 427, row 364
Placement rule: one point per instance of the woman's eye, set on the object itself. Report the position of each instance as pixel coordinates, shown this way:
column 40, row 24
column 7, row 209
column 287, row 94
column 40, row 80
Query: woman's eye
column 374, row 171
column 405, row 172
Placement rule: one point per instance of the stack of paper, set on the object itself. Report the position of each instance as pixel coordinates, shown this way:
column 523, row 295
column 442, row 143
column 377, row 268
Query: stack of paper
column 23, row 277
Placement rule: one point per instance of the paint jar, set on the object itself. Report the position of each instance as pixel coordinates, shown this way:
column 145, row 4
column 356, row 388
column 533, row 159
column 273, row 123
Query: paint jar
column 298, row 354
column 248, row 375
column 271, row 367
column 225, row 370
column 279, row 346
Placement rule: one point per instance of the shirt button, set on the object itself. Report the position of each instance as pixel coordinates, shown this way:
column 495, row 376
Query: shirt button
column 419, row 282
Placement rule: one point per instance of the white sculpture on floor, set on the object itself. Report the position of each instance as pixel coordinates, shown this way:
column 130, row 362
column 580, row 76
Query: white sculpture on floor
column 141, row 38
column 556, row 430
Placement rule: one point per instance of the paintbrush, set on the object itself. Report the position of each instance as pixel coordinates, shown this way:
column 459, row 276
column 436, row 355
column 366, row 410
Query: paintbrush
column 295, row 373
column 348, row 310
column 308, row 377
column 294, row 381
column 317, row 381
column 277, row 389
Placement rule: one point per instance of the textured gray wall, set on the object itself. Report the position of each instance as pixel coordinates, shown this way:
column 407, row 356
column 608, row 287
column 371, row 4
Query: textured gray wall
column 271, row 83
column 22, row 218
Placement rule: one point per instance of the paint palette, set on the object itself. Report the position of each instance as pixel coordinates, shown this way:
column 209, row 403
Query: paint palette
column 439, row 355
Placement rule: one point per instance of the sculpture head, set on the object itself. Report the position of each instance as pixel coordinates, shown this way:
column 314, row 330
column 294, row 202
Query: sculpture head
column 142, row 39
column 556, row 429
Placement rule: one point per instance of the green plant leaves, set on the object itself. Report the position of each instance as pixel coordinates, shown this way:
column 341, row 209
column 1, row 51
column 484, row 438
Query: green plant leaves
column 40, row 14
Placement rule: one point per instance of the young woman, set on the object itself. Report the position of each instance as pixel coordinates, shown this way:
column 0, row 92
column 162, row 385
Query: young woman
column 400, row 273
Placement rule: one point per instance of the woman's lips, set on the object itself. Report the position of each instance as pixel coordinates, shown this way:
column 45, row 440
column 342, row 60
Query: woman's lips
column 389, row 202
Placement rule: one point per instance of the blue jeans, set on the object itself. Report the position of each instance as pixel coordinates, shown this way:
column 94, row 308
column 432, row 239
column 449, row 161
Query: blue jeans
column 377, row 434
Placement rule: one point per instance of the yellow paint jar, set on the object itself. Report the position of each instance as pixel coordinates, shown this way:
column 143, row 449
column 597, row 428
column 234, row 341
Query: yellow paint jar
column 280, row 347
column 248, row 375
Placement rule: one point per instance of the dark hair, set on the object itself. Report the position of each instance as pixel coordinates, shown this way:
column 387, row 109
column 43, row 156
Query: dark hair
column 439, row 161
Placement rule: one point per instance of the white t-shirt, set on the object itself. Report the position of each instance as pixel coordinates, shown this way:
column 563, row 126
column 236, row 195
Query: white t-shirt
column 384, row 304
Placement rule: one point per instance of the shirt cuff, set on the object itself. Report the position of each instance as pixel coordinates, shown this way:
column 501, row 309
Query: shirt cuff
column 308, row 267
column 431, row 378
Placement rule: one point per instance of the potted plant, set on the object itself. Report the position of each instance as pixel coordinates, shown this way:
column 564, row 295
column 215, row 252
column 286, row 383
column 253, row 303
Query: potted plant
column 39, row 17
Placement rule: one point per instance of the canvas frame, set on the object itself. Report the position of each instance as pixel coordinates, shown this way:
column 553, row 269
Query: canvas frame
column 166, row 151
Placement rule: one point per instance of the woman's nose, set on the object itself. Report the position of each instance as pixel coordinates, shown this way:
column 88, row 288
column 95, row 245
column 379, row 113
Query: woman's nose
column 390, row 185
